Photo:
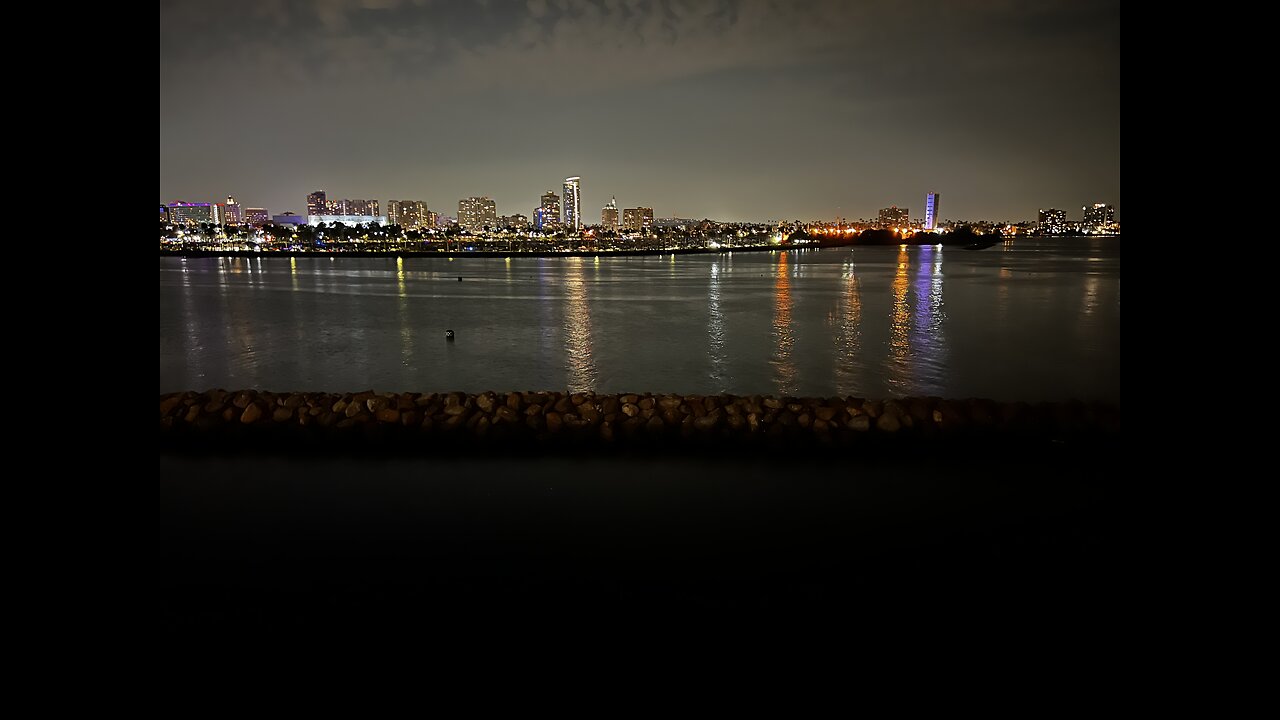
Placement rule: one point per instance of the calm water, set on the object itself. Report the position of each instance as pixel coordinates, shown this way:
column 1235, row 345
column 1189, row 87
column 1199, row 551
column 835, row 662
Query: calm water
column 1031, row 320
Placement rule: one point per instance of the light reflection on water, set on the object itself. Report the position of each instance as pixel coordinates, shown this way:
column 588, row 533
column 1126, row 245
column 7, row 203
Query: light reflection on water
column 1029, row 320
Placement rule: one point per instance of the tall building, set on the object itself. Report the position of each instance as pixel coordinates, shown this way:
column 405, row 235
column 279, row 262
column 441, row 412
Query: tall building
column 367, row 208
column 572, row 215
column 432, row 219
column 609, row 215
column 185, row 213
column 475, row 213
column 547, row 215
column 231, row 214
column 408, row 214
column 164, row 213
column 513, row 221
column 1099, row 217
column 894, row 217
column 931, row 204
column 256, row 217
column 317, row 204
column 1053, row 221
column 637, row 219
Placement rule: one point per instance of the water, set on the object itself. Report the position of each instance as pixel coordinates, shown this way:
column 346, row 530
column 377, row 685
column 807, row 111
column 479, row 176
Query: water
column 1029, row 320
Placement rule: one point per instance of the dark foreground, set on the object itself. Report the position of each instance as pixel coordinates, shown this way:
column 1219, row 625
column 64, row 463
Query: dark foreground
column 354, row 542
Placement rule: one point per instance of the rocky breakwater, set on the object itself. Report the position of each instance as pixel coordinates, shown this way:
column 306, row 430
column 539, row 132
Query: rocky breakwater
column 515, row 420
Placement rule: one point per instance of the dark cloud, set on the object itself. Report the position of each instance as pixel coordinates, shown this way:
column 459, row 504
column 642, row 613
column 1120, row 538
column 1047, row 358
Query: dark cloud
column 740, row 110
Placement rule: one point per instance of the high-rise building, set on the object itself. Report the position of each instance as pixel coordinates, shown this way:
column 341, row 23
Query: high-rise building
column 367, row 208
column 1099, row 217
column 609, row 216
column 432, row 220
column 513, row 221
column 164, row 213
column 1053, row 221
column 408, row 214
column 256, row 217
column 185, row 213
column 475, row 213
column 931, row 204
column 572, row 215
column 231, row 214
column 637, row 219
column 317, row 204
column 894, row 217
column 547, row 215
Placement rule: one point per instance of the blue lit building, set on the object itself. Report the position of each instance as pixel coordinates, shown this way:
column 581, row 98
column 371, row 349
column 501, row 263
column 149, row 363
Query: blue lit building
column 931, row 204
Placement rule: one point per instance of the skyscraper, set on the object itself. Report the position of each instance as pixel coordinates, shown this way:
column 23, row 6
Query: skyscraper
column 408, row 214
column 1099, row 216
column 317, row 203
column 256, row 217
column 931, row 203
column 894, row 217
column 231, row 212
column 609, row 215
column 475, row 213
column 572, row 215
column 1053, row 221
column 547, row 215
column 637, row 219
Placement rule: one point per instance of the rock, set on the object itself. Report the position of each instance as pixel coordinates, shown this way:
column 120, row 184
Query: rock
column 937, row 416
column 485, row 402
column 773, row 403
column 405, row 401
column 753, row 421
column 168, row 404
column 294, row 401
column 563, row 405
column 671, row 416
column 589, row 412
column 805, row 420
column 606, row 432
column 825, row 413
column 795, row 408
column 629, row 399
column 871, row 408
column 340, row 406
column 192, row 413
column 670, row 403
column 655, row 425
column 888, row 422
column 377, row 404
column 228, row 414
column 611, row 405
column 409, row 418
column 736, row 422
column 251, row 413
column 706, row 422
column 388, row 415
column 243, row 399
column 532, row 410
column 630, row 409
column 454, row 410
column 821, row 425
column 353, row 409
column 506, row 414
column 282, row 414
column 554, row 422
column 514, row 402
column 860, row 423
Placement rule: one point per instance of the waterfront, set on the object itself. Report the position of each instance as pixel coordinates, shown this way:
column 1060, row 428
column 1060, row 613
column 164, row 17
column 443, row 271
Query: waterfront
column 1036, row 319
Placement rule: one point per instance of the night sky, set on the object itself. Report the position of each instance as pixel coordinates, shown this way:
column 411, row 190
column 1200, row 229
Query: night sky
column 701, row 108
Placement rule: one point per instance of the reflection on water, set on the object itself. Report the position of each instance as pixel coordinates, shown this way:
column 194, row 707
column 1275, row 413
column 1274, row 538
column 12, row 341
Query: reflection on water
column 577, row 331
column 848, row 333
column 715, row 330
column 406, row 320
column 784, row 370
column 917, row 339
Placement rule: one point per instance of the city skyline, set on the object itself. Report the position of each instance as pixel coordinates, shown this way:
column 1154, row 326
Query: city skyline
column 734, row 110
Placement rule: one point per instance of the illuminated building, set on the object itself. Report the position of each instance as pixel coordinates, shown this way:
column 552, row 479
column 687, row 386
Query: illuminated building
column 609, row 216
column 1099, row 217
column 637, row 219
column 513, row 221
column 317, row 203
column 256, row 217
column 185, row 213
column 572, row 215
column 433, row 219
column 288, row 219
column 475, row 213
column 547, row 215
column 894, row 217
column 349, row 207
column 1053, row 221
column 347, row 220
column 164, row 213
column 931, row 204
column 408, row 214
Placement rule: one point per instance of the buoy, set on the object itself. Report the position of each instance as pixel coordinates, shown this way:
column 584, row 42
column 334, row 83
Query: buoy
column 448, row 334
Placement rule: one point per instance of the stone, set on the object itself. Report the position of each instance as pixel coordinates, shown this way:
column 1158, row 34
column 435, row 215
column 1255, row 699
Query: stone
column 282, row 414
column 251, row 413
column 192, row 413
column 804, row 420
column 505, row 414
column 670, row 403
column 647, row 403
column 377, row 404
column 532, row 410
column 825, row 413
column 563, row 405
column 340, row 406
column 168, row 404
column 514, row 402
column 388, row 415
column 860, row 423
column 409, row 418
column 554, row 422
column 736, row 422
column 706, row 422
column 821, row 425
column 611, row 405
column 630, row 399
column 353, row 409
column 773, row 403
column 589, row 412
column 871, row 408
column 485, row 402
column 228, row 414
column 294, row 401
column 242, row 399
column 454, row 410
column 795, row 408
column 888, row 422
column 630, row 409
column 937, row 416
column 753, row 421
